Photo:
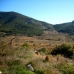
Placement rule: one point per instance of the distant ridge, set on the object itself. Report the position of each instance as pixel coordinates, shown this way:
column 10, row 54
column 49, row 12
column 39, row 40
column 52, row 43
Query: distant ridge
column 65, row 27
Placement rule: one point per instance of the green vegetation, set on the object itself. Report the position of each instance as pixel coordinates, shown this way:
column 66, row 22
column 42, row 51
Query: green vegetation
column 15, row 67
column 12, row 23
column 44, row 67
column 15, row 60
column 43, row 51
column 25, row 45
column 65, row 50
column 66, row 68
column 65, row 28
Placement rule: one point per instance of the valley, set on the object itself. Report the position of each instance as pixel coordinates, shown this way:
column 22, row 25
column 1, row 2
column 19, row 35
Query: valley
column 47, row 40
column 30, row 46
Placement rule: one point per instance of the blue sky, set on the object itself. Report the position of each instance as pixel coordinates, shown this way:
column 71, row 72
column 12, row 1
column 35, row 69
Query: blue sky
column 51, row 11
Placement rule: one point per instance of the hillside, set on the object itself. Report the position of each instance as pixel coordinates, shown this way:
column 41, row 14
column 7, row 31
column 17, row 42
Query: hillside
column 65, row 27
column 12, row 23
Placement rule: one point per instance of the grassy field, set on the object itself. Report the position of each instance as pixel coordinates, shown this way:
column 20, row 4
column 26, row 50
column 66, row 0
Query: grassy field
column 17, row 52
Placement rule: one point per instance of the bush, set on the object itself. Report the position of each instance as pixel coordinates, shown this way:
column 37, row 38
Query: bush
column 13, row 62
column 65, row 50
column 16, row 67
column 2, row 45
column 19, row 69
column 66, row 68
column 43, row 50
column 25, row 45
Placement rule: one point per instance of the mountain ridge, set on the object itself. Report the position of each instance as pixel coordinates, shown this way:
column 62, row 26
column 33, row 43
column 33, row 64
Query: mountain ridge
column 14, row 23
column 65, row 27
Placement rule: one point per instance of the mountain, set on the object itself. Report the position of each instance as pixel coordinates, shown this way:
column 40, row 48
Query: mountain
column 13, row 23
column 65, row 27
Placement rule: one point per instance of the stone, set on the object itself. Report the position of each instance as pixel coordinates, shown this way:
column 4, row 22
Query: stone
column 29, row 66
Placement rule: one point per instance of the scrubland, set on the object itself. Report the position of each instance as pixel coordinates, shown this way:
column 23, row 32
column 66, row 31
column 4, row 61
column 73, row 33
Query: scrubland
column 47, row 54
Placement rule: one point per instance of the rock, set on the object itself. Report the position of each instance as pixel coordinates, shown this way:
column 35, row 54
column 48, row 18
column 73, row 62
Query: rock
column 29, row 66
column 0, row 72
column 37, row 52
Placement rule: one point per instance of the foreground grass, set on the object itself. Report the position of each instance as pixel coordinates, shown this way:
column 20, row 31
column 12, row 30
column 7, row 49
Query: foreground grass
column 66, row 68
column 15, row 60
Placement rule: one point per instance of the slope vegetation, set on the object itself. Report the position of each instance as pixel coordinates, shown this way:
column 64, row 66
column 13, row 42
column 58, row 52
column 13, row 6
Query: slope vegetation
column 65, row 27
column 13, row 23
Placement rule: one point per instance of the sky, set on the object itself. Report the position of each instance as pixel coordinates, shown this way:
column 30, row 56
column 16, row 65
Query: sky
column 50, row 11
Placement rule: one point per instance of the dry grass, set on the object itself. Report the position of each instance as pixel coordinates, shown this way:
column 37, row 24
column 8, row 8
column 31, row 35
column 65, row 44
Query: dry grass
column 45, row 67
column 42, row 62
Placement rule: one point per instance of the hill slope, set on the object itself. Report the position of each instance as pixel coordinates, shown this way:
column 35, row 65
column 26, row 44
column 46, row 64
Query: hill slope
column 13, row 23
column 65, row 27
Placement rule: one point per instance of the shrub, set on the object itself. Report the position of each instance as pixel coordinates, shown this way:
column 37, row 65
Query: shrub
column 13, row 62
column 16, row 67
column 42, row 67
column 2, row 45
column 66, row 68
column 64, row 49
column 19, row 69
column 25, row 45
column 43, row 50
column 37, row 64
column 38, row 72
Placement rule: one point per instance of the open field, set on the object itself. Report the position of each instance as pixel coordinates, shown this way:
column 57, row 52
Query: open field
column 48, row 41
column 17, row 52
